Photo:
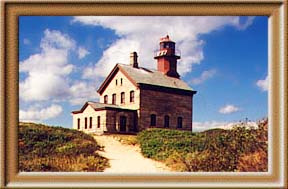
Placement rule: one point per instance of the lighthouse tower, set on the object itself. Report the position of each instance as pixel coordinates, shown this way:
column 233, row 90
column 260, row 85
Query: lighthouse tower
column 166, row 58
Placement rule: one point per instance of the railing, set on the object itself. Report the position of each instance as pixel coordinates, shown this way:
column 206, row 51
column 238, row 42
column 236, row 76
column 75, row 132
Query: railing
column 159, row 52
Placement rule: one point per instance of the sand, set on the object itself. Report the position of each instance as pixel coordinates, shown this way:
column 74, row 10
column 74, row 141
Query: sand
column 127, row 158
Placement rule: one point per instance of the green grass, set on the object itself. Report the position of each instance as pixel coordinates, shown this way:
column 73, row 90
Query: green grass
column 211, row 150
column 46, row 148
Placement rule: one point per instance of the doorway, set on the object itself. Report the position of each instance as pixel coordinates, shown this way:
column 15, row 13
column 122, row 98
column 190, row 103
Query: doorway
column 123, row 121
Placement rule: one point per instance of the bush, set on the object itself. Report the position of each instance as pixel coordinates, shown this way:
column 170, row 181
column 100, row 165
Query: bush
column 238, row 149
column 160, row 143
column 44, row 148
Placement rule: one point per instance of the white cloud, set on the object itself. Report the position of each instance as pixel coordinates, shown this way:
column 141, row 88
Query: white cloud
column 119, row 52
column 263, row 84
column 48, row 69
column 26, row 41
column 38, row 87
column 56, row 39
column 82, row 52
column 48, row 72
column 36, row 114
column 246, row 24
column 203, row 77
column 142, row 34
column 202, row 126
column 228, row 109
column 82, row 92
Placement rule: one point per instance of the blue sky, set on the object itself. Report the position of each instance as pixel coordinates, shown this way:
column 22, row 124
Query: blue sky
column 64, row 59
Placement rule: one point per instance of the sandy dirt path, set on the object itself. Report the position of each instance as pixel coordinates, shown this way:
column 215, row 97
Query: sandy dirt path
column 127, row 158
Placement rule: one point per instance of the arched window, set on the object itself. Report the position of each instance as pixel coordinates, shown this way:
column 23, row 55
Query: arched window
column 166, row 121
column 121, row 81
column 131, row 96
column 122, row 98
column 179, row 122
column 78, row 123
column 90, row 125
column 116, row 82
column 106, row 99
column 114, row 98
column 152, row 120
column 85, row 122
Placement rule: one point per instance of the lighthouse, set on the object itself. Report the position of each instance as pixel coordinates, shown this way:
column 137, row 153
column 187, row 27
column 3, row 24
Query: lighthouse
column 167, row 58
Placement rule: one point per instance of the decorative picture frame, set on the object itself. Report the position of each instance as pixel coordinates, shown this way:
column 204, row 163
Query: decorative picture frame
column 276, row 177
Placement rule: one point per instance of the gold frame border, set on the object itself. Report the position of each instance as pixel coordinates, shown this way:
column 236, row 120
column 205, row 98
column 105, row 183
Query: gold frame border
column 275, row 10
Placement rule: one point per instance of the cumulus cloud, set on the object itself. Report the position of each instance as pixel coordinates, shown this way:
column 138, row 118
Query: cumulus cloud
column 48, row 72
column 228, row 109
column 207, row 74
column 82, row 52
column 80, row 91
column 57, row 40
column 48, row 69
column 263, row 84
column 35, row 114
column 142, row 34
column 202, row 126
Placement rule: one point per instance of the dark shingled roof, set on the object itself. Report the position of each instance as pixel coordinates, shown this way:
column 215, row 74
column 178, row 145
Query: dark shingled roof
column 153, row 77
column 100, row 106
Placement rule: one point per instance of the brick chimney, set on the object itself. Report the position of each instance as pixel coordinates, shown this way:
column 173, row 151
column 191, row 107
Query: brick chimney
column 166, row 58
column 133, row 60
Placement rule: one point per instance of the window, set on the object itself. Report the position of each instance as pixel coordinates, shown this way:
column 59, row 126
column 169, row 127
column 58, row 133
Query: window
column 106, row 99
column 121, row 81
column 113, row 98
column 90, row 126
column 85, row 122
column 122, row 98
column 116, row 82
column 78, row 124
column 172, row 46
column 98, row 121
column 166, row 121
column 153, row 120
column 166, row 45
column 179, row 122
column 131, row 96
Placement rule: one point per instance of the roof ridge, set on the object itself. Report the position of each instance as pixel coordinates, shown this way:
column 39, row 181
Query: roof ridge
column 143, row 68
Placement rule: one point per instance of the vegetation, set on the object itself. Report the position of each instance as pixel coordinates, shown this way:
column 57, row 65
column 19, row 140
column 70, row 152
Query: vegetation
column 45, row 148
column 126, row 139
column 238, row 149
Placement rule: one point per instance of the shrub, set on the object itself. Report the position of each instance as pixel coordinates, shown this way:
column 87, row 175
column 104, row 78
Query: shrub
column 252, row 162
column 44, row 148
column 160, row 143
column 238, row 149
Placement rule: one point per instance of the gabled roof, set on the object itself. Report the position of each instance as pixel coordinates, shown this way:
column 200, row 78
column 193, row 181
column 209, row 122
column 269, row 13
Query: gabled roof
column 100, row 106
column 146, row 76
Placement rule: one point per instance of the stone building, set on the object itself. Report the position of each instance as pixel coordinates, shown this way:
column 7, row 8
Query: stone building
column 133, row 98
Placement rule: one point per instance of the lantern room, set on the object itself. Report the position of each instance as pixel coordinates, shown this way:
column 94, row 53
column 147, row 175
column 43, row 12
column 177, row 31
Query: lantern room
column 167, row 58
